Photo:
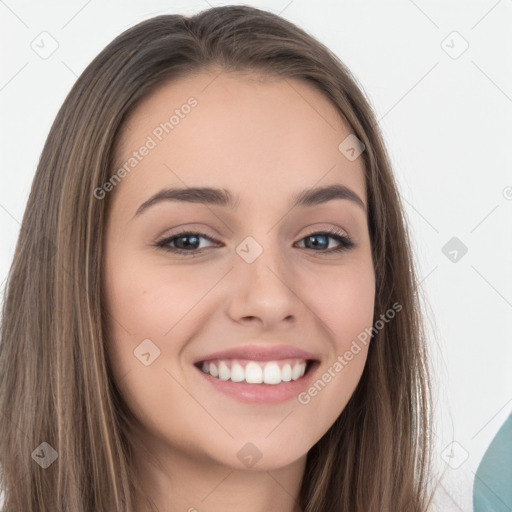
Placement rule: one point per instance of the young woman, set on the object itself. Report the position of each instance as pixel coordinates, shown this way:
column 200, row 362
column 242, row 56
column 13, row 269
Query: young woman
column 213, row 303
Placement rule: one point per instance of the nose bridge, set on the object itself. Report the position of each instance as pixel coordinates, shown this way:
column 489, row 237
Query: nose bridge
column 262, row 280
column 261, row 256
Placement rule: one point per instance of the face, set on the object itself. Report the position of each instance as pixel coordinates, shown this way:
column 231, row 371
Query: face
column 262, row 287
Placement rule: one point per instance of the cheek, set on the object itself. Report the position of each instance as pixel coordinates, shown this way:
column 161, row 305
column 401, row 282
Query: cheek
column 142, row 304
column 149, row 300
column 344, row 301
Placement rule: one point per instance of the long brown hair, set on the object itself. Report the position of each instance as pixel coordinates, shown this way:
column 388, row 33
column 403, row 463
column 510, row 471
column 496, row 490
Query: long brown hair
column 55, row 383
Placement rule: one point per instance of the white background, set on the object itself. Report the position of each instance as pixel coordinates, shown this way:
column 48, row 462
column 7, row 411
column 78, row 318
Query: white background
column 446, row 121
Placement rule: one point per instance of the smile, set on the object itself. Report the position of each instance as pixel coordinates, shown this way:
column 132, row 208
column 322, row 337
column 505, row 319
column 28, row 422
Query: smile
column 258, row 374
column 255, row 372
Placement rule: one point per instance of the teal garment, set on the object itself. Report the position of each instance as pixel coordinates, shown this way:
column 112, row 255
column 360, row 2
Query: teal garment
column 492, row 489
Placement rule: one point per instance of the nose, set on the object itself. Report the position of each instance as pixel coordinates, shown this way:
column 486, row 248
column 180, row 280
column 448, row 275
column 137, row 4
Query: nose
column 263, row 291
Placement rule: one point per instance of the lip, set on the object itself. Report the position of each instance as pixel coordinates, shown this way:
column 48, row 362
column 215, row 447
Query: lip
column 261, row 393
column 259, row 353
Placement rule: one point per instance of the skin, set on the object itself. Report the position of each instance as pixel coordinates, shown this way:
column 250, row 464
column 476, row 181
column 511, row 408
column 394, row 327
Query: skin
column 264, row 140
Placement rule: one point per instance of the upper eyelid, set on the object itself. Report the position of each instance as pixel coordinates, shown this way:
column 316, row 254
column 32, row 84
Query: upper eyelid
column 310, row 230
column 330, row 232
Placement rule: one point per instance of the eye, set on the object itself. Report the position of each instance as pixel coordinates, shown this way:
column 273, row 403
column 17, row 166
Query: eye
column 320, row 239
column 188, row 242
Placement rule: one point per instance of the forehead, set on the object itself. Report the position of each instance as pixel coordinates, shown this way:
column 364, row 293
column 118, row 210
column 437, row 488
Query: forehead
column 257, row 135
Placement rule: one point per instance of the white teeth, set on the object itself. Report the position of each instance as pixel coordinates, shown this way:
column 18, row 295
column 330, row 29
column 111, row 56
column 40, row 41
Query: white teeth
column 286, row 373
column 296, row 371
column 253, row 373
column 237, row 373
column 272, row 374
column 224, row 371
column 256, row 372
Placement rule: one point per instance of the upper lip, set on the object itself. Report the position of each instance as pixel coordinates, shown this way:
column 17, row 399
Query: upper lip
column 259, row 353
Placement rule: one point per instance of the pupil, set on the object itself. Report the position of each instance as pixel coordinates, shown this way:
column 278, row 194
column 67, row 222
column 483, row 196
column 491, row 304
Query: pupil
column 187, row 245
column 316, row 243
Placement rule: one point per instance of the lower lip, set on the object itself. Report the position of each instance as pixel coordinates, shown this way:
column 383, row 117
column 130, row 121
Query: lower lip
column 262, row 393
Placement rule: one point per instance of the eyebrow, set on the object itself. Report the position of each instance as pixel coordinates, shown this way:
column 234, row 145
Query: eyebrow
column 222, row 197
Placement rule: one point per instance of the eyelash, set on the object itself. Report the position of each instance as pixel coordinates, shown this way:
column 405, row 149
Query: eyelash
column 346, row 243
